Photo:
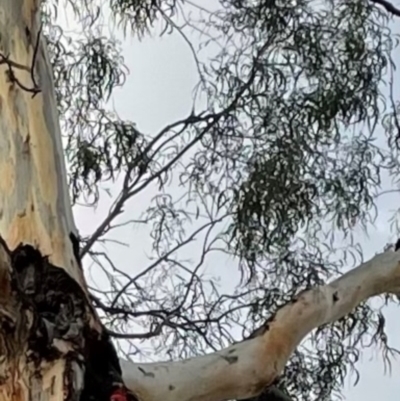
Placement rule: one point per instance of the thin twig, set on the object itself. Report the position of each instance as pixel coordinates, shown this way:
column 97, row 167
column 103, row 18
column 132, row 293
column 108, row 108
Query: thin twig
column 13, row 64
column 389, row 7
column 35, row 53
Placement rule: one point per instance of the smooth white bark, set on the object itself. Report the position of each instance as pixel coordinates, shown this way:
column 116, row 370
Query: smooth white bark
column 34, row 203
column 34, row 198
column 243, row 370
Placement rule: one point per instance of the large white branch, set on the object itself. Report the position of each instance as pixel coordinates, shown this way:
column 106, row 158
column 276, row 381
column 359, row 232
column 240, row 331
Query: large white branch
column 243, row 370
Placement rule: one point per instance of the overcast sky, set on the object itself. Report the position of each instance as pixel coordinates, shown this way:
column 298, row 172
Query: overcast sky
column 159, row 91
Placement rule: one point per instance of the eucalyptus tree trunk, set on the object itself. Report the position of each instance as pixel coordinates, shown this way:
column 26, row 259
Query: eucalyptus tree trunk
column 48, row 330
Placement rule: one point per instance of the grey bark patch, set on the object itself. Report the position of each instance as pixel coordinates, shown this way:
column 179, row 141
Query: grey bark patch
column 50, row 113
column 10, row 16
column 231, row 359
column 147, row 374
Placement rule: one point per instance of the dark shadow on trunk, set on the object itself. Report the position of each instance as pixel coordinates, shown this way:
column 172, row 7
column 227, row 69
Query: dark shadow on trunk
column 61, row 328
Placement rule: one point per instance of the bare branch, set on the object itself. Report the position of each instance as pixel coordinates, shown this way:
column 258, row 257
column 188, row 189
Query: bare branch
column 150, row 334
column 14, row 65
column 244, row 370
column 389, row 7
column 179, row 245
column 130, row 190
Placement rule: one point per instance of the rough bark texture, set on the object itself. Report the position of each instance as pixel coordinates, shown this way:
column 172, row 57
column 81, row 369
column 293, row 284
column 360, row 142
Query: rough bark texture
column 50, row 351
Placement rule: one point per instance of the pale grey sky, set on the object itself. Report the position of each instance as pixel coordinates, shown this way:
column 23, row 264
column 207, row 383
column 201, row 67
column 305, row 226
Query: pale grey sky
column 159, row 91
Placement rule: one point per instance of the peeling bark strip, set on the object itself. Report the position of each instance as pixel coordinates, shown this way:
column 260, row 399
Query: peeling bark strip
column 51, row 327
column 260, row 360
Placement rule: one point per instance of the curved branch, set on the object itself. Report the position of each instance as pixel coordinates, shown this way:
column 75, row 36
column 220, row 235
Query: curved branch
column 245, row 369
